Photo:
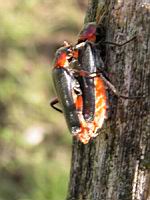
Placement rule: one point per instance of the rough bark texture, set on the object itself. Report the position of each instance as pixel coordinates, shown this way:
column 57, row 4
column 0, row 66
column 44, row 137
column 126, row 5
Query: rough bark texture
column 115, row 165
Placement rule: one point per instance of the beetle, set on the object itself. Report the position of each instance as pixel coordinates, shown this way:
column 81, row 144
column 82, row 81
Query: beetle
column 65, row 86
column 93, row 88
column 90, row 72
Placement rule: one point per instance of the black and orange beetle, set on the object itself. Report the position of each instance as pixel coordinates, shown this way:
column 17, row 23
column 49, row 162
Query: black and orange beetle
column 90, row 66
column 67, row 89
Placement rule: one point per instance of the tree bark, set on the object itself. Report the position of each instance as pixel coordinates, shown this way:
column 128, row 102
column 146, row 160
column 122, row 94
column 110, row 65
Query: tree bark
column 116, row 164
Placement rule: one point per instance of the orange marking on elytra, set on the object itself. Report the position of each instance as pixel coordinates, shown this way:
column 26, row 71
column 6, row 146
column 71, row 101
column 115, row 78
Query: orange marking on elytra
column 83, row 135
column 100, row 107
column 89, row 129
column 79, row 103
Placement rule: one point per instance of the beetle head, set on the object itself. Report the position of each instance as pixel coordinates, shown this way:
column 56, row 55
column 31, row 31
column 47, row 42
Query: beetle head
column 61, row 57
column 88, row 33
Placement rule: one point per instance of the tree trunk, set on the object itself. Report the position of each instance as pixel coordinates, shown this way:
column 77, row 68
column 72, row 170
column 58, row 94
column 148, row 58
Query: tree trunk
column 116, row 164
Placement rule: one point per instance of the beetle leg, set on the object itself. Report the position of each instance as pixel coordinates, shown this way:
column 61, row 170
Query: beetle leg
column 77, row 90
column 117, row 44
column 106, row 81
column 52, row 104
column 114, row 90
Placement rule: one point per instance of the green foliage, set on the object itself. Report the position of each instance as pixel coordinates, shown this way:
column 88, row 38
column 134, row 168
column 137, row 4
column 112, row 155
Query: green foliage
column 35, row 147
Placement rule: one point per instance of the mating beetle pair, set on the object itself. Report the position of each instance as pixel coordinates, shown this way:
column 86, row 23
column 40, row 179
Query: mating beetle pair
column 80, row 90
column 79, row 81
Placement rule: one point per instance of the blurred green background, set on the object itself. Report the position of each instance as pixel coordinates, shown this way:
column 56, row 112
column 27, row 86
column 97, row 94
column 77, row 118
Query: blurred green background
column 35, row 145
